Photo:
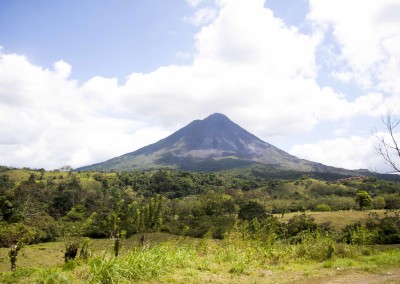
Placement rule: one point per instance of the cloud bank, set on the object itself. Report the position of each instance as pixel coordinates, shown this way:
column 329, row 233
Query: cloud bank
column 248, row 65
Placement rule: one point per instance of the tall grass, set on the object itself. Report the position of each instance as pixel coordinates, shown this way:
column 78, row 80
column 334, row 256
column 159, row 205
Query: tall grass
column 138, row 264
column 234, row 259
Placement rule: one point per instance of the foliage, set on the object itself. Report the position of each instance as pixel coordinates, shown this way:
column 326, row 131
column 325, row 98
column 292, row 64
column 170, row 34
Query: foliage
column 11, row 234
column 13, row 254
column 363, row 199
column 387, row 228
column 179, row 202
column 323, row 208
column 252, row 210
column 300, row 223
column 315, row 245
column 72, row 233
column 359, row 234
column 85, row 252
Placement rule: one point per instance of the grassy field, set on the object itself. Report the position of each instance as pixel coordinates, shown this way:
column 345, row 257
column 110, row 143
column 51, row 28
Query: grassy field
column 52, row 253
column 170, row 259
column 337, row 219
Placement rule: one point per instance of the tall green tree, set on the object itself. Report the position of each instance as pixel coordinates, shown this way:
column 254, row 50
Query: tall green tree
column 363, row 199
column 252, row 210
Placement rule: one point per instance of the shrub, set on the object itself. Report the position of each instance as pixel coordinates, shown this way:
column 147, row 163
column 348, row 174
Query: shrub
column 323, row 208
column 388, row 228
column 12, row 233
column 359, row 234
column 317, row 246
column 252, row 210
column 300, row 223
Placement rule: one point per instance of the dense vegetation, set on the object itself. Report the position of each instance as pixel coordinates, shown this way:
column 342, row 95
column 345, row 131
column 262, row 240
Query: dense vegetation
column 38, row 206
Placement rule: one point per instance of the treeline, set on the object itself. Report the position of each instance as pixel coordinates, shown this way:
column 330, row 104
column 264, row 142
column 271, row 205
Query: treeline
column 41, row 206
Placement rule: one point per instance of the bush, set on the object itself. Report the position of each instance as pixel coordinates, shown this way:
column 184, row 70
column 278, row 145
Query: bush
column 12, row 233
column 317, row 246
column 323, row 208
column 300, row 223
column 388, row 228
column 359, row 234
column 45, row 226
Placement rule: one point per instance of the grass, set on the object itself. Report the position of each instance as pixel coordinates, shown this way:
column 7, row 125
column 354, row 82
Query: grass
column 40, row 255
column 169, row 259
column 51, row 254
column 172, row 259
column 337, row 219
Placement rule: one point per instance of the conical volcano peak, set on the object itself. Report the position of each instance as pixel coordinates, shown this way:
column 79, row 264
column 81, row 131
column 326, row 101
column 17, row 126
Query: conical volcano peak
column 219, row 124
column 217, row 116
column 216, row 119
column 212, row 143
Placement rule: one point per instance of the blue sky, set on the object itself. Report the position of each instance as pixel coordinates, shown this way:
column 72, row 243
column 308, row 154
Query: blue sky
column 84, row 81
column 106, row 38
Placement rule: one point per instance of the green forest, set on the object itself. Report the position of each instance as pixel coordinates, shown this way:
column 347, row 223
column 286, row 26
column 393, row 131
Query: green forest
column 244, row 217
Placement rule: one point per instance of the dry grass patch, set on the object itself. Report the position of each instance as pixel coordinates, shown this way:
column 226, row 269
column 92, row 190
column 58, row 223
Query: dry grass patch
column 337, row 219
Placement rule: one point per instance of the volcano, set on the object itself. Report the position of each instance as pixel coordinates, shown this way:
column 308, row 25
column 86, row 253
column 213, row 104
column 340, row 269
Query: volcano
column 212, row 144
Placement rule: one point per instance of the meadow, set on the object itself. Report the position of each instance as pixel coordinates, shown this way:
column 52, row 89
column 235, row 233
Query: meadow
column 171, row 259
column 337, row 220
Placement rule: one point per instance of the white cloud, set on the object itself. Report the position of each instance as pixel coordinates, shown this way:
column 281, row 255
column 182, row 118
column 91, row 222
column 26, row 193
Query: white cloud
column 202, row 16
column 342, row 76
column 248, row 65
column 351, row 153
column 368, row 37
column 62, row 69
column 47, row 120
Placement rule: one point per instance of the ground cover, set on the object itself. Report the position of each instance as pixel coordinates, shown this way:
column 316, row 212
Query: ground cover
column 170, row 259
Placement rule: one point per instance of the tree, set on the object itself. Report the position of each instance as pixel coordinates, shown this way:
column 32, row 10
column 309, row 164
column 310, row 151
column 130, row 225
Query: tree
column 114, row 224
column 388, row 147
column 252, row 210
column 149, row 217
column 363, row 199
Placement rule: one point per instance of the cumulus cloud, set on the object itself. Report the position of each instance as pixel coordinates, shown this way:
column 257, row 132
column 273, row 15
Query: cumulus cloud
column 248, row 64
column 354, row 152
column 368, row 37
column 47, row 120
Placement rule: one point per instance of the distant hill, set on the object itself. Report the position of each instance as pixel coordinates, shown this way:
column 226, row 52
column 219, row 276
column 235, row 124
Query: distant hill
column 212, row 144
